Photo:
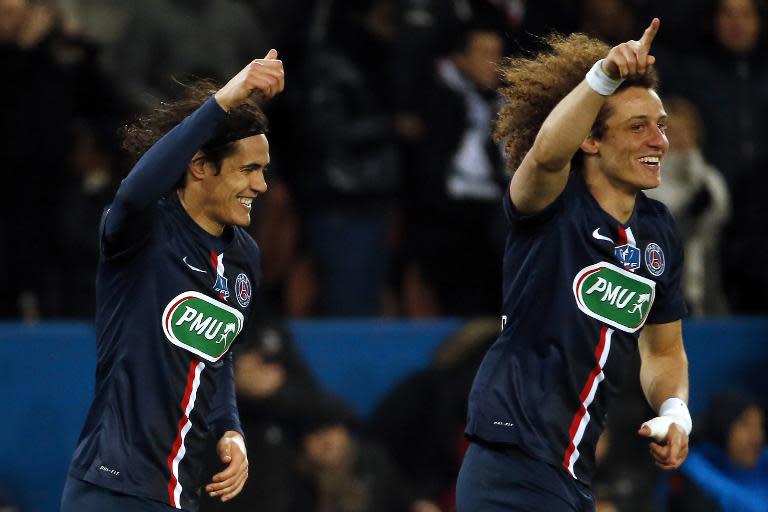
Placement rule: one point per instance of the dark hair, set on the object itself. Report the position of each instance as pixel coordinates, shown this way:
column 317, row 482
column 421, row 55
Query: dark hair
column 535, row 85
column 243, row 121
column 461, row 36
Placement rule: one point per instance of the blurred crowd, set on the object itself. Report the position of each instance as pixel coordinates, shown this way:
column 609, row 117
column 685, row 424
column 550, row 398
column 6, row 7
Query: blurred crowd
column 385, row 185
column 310, row 452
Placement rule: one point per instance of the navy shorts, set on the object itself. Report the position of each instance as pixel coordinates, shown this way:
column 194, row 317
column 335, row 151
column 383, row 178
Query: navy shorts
column 496, row 478
column 80, row 496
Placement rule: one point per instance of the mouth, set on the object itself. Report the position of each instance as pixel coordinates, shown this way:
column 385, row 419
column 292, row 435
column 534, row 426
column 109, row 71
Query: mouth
column 246, row 202
column 650, row 162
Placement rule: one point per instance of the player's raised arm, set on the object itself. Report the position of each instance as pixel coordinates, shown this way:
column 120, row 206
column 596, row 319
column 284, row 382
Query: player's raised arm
column 263, row 77
column 176, row 133
column 543, row 172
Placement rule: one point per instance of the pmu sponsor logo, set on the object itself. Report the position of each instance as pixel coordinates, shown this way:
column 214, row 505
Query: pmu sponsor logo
column 613, row 295
column 202, row 325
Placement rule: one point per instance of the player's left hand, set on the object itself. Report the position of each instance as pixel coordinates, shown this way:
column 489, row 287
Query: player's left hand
column 672, row 450
column 228, row 483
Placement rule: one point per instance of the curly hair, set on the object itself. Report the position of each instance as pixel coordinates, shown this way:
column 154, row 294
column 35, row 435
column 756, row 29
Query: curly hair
column 243, row 121
column 533, row 86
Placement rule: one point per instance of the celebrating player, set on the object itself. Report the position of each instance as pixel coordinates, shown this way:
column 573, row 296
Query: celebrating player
column 174, row 286
column 589, row 261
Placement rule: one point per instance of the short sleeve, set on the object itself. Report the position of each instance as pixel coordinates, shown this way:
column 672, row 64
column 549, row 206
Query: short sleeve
column 669, row 304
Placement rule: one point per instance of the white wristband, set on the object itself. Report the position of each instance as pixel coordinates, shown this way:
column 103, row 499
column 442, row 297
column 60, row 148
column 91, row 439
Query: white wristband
column 673, row 410
column 600, row 82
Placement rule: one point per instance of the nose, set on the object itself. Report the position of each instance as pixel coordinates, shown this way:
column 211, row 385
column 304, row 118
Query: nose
column 659, row 139
column 258, row 182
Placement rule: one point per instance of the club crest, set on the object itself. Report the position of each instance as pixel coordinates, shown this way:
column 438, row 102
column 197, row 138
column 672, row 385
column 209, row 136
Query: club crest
column 243, row 290
column 654, row 259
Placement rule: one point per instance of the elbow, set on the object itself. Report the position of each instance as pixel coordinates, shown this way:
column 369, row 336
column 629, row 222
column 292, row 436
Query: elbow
column 548, row 155
column 128, row 201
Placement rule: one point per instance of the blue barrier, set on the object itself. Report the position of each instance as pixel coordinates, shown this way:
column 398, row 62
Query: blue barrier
column 47, row 379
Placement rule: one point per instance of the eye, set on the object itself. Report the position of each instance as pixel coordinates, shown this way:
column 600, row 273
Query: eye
column 637, row 127
column 662, row 127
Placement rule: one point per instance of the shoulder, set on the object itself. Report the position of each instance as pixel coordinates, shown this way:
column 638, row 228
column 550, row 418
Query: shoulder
column 655, row 212
column 246, row 242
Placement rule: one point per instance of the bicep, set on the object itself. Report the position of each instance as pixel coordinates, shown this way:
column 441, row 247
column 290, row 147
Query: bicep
column 534, row 187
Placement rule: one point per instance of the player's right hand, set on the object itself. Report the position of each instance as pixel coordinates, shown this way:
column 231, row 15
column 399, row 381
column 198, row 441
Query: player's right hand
column 632, row 58
column 263, row 77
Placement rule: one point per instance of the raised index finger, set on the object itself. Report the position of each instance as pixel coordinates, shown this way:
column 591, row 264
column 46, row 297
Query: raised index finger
column 649, row 34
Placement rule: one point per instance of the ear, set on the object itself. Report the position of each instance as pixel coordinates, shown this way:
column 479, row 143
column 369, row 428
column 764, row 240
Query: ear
column 196, row 166
column 590, row 146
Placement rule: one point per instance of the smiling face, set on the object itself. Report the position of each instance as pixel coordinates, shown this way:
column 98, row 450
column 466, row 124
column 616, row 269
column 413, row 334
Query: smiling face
column 629, row 152
column 228, row 195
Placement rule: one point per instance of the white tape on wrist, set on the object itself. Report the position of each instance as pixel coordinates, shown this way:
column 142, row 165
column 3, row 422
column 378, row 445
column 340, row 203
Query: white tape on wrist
column 600, row 82
column 238, row 441
column 673, row 410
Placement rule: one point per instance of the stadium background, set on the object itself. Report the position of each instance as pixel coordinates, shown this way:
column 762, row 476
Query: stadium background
column 373, row 270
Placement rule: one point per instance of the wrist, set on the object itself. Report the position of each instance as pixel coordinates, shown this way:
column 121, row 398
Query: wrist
column 600, row 82
column 676, row 410
column 222, row 102
column 235, row 438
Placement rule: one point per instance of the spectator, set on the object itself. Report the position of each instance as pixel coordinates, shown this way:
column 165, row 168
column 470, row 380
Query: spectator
column 288, row 283
column 727, row 469
column 611, row 21
column 455, row 224
column 727, row 80
column 46, row 66
column 272, row 383
column 350, row 174
column 90, row 186
column 155, row 40
column 342, row 473
column 697, row 196
column 421, row 422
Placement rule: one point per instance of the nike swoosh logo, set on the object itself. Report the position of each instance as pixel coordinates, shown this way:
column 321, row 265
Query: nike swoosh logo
column 598, row 236
column 193, row 268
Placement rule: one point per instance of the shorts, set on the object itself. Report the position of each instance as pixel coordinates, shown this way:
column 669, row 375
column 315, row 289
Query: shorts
column 81, row 496
column 496, row 478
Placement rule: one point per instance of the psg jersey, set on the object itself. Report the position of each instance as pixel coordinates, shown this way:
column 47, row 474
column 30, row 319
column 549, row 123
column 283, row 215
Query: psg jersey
column 171, row 299
column 578, row 286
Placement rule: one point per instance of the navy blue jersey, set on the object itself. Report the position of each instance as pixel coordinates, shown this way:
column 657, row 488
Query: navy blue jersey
column 578, row 287
column 171, row 298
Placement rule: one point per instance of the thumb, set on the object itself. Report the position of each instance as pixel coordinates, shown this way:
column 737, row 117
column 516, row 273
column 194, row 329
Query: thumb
column 271, row 54
column 645, row 431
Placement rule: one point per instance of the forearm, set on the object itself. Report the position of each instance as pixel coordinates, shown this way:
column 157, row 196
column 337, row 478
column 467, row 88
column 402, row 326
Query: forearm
column 161, row 167
column 664, row 375
column 566, row 127
column 224, row 415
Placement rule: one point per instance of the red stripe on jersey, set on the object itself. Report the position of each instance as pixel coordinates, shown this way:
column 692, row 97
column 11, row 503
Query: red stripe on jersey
column 182, row 421
column 215, row 262
column 583, row 397
column 173, row 308
column 622, row 236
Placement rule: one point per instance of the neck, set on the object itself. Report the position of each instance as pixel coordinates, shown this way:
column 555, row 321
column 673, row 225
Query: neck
column 617, row 200
column 193, row 206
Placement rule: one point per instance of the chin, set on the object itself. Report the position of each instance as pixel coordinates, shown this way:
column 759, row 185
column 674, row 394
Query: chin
column 650, row 186
column 240, row 220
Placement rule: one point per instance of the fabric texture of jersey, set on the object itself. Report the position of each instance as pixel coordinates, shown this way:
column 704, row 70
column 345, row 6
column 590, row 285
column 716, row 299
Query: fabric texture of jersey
column 577, row 287
column 171, row 298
